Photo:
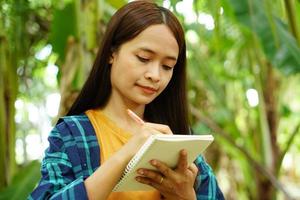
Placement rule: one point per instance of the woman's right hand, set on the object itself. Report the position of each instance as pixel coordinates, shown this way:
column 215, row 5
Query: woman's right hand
column 109, row 173
column 142, row 134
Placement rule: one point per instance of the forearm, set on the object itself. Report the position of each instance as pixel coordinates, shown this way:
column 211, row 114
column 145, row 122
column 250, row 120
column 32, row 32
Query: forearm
column 101, row 183
column 192, row 196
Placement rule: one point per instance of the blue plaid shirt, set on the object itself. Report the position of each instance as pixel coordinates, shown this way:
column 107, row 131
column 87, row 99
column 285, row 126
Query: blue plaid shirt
column 74, row 154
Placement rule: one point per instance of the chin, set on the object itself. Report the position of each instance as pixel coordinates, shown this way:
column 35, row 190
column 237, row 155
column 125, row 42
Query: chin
column 143, row 101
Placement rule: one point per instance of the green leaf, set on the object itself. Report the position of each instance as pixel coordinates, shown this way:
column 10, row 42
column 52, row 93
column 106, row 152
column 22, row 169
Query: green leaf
column 116, row 3
column 287, row 57
column 278, row 44
column 200, row 129
column 63, row 26
column 23, row 182
column 285, row 111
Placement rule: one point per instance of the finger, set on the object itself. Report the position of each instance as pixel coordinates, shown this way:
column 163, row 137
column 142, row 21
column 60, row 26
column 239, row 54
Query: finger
column 193, row 168
column 182, row 162
column 149, row 182
column 159, row 127
column 151, row 131
column 135, row 117
column 163, row 169
column 153, row 175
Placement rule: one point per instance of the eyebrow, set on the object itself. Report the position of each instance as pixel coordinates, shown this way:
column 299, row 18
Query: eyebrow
column 153, row 52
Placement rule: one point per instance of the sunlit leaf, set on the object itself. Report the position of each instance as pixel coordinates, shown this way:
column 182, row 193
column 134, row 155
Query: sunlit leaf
column 278, row 44
column 63, row 26
column 23, row 182
column 116, row 3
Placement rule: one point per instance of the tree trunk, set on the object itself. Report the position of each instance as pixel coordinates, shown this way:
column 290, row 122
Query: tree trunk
column 80, row 52
column 13, row 48
column 68, row 74
column 270, row 98
column 8, row 89
column 265, row 189
column 3, row 180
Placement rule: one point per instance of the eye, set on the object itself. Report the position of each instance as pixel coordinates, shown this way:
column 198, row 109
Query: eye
column 142, row 59
column 166, row 67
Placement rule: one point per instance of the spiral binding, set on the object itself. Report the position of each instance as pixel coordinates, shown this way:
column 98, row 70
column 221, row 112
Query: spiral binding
column 136, row 158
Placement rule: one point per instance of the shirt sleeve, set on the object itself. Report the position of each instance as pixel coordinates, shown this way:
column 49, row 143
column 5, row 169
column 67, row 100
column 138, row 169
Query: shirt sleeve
column 58, row 178
column 206, row 185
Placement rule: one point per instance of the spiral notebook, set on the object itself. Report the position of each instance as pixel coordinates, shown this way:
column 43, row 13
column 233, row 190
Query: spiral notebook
column 165, row 148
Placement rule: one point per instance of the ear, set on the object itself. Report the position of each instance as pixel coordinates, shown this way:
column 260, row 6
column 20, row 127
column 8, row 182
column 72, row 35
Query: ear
column 111, row 58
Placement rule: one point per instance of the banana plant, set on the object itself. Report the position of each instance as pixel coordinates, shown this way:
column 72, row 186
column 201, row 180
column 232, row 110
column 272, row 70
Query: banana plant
column 253, row 45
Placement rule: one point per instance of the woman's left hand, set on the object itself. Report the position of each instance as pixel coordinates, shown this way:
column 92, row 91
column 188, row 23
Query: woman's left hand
column 172, row 184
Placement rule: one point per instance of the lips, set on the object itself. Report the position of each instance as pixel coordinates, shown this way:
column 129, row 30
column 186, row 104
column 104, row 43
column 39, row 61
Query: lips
column 148, row 89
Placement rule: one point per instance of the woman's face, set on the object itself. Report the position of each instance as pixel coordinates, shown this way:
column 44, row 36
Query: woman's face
column 142, row 67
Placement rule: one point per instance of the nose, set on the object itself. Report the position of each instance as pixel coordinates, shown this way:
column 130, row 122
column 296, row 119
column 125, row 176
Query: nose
column 153, row 72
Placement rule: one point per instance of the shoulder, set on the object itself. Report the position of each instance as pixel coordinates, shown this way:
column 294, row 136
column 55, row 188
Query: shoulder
column 73, row 120
column 73, row 131
column 76, row 136
column 77, row 125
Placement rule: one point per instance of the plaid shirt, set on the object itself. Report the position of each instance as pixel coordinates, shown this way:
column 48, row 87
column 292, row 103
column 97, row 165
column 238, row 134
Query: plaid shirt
column 74, row 154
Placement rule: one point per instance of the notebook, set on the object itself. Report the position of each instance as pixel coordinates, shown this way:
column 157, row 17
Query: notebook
column 165, row 148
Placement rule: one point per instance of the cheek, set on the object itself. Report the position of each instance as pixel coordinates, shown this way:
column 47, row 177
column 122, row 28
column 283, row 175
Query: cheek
column 167, row 80
column 120, row 69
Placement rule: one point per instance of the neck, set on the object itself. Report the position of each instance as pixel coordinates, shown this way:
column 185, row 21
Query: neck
column 116, row 109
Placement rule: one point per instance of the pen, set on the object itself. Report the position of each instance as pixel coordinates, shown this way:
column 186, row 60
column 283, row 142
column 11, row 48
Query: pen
column 135, row 117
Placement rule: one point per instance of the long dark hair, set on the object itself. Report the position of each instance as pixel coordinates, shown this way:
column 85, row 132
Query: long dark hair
column 170, row 107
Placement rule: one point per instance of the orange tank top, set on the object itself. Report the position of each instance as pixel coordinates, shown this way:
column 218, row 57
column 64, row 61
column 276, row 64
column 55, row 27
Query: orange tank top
column 111, row 138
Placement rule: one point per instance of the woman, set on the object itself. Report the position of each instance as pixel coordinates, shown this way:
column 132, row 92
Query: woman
column 140, row 66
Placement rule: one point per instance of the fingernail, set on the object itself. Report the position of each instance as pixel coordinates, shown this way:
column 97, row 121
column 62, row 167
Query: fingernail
column 140, row 171
column 153, row 162
column 137, row 178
